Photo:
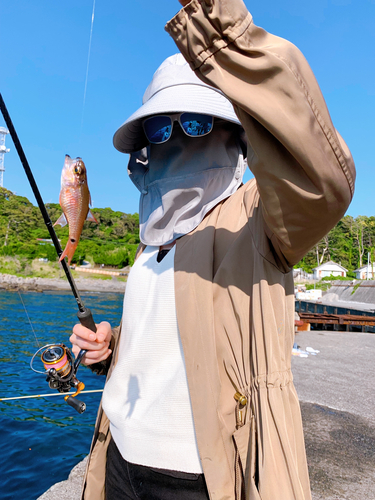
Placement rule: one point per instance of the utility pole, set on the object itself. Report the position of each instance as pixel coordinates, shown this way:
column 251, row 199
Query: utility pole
column 3, row 150
column 6, row 236
column 368, row 265
column 17, row 222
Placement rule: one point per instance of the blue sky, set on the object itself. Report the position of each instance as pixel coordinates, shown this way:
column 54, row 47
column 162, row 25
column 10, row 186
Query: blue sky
column 44, row 47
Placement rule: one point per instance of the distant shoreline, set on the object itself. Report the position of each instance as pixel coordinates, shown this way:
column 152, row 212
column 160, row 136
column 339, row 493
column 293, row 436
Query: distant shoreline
column 13, row 283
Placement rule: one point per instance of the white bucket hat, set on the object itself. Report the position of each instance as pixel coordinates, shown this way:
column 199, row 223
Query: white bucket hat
column 174, row 89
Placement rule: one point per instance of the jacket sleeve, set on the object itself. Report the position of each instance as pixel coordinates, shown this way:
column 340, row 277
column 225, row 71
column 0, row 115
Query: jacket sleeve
column 303, row 169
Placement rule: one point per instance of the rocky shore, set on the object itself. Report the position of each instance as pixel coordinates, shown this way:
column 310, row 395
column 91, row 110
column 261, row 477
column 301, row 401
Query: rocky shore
column 15, row 283
column 69, row 489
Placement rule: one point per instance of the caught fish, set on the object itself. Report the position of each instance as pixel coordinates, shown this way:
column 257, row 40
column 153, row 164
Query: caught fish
column 74, row 200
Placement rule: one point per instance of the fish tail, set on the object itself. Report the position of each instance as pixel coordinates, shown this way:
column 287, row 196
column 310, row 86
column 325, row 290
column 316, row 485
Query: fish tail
column 69, row 250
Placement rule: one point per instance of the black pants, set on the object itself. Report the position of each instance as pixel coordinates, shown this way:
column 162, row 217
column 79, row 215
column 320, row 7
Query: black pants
column 126, row 481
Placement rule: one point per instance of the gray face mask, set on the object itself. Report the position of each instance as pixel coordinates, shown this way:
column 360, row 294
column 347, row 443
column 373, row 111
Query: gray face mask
column 183, row 179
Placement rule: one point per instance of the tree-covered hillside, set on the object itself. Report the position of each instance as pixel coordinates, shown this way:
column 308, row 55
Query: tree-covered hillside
column 112, row 242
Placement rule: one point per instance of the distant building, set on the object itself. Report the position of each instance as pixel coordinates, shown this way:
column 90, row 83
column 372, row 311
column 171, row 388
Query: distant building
column 365, row 272
column 329, row 269
column 309, row 295
column 300, row 275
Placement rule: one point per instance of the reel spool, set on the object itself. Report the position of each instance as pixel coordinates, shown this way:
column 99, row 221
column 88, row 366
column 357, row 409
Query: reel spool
column 55, row 357
column 61, row 370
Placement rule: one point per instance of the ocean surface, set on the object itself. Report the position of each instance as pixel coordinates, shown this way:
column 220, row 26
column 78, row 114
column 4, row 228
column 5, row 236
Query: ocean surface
column 43, row 439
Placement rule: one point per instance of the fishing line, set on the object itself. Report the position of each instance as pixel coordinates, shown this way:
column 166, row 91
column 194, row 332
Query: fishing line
column 48, row 395
column 36, row 338
column 87, row 69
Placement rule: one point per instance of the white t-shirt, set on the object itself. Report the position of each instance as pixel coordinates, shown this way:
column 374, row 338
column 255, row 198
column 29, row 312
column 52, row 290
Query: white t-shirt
column 147, row 398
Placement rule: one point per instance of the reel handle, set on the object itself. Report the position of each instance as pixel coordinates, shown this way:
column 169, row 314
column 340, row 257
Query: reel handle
column 78, row 405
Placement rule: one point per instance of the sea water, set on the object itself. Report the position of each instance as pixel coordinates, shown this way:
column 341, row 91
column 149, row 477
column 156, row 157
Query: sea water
column 43, row 439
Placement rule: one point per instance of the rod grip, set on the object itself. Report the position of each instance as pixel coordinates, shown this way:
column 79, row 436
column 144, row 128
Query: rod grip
column 86, row 319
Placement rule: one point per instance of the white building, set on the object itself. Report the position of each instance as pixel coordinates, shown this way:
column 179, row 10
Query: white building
column 329, row 269
column 365, row 272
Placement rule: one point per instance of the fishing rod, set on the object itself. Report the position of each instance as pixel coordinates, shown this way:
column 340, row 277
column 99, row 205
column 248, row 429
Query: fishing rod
column 60, row 366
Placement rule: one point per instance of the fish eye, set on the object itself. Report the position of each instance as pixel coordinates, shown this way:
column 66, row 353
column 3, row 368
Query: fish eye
column 77, row 169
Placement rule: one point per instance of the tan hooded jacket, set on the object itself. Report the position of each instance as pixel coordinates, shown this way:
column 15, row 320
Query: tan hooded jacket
column 233, row 279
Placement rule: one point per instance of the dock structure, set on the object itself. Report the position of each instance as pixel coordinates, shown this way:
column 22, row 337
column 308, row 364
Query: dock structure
column 341, row 318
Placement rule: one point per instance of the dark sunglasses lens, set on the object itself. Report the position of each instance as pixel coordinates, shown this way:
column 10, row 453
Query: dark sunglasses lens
column 158, row 129
column 195, row 124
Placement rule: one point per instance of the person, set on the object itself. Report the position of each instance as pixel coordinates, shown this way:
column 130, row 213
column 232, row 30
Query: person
column 199, row 400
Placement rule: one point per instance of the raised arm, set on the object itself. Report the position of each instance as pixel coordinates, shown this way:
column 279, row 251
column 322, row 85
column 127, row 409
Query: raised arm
column 304, row 171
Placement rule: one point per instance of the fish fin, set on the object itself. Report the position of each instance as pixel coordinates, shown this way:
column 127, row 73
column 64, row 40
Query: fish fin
column 91, row 218
column 61, row 220
column 69, row 250
column 68, row 161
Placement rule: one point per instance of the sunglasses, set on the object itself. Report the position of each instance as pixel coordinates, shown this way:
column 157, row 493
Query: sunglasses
column 158, row 129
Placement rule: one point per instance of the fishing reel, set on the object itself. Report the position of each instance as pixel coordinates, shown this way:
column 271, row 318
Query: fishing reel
column 61, row 370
